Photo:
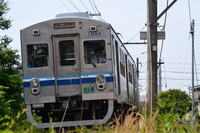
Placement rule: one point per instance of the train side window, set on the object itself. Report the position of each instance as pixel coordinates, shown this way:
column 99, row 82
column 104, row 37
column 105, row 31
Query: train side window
column 130, row 71
column 94, row 52
column 122, row 63
column 37, row 55
column 66, row 50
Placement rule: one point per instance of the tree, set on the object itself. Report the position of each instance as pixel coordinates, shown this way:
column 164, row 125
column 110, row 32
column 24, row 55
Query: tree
column 174, row 101
column 10, row 81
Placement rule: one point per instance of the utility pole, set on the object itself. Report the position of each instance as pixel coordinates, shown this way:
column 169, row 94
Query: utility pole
column 193, row 102
column 152, row 36
column 151, row 53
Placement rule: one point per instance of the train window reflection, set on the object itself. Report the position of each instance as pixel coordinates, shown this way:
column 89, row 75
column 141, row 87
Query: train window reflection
column 37, row 55
column 66, row 50
column 95, row 52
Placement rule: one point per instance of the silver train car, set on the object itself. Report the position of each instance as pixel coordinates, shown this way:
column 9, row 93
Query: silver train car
column 76, row 71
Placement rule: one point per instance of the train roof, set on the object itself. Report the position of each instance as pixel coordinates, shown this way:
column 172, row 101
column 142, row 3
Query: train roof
column 74, row 15
column 70, row 16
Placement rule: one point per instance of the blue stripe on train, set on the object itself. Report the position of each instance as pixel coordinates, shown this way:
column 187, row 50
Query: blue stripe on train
column 68, row 82
column 68, row 76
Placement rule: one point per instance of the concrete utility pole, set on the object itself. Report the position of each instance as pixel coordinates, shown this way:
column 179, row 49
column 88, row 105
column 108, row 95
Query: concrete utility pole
column 193, row 102
column 151, row 53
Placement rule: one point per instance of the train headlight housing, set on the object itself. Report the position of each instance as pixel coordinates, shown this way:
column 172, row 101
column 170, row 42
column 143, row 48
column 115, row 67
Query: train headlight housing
column 35, row 83
column 100, row 78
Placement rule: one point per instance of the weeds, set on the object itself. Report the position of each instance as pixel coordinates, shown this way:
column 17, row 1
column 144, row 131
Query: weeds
column 132, row 123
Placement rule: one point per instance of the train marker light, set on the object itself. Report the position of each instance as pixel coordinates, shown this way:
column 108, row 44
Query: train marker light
column 35, row 82
column 100, row 78
column 91, row 85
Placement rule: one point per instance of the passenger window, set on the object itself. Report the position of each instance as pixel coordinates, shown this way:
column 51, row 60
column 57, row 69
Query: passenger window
column 130, row 70
column 66, row 50
column 122, row 63
column 37, row 55
column 95, row 52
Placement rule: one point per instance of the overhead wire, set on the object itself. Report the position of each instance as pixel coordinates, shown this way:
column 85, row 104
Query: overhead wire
column 164, row 26
column 163, row 29
column 136, row 34
column 84, row 6
column 190, row 19
column 72, row 3
column 189, row 9
column 62, row 2
column 93, row 8
column 196, row 69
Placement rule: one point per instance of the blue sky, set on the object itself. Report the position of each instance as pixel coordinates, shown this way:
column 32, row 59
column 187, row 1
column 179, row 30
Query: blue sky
column 127, row 17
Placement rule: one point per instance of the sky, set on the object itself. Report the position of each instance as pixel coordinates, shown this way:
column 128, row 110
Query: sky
column 127, row 17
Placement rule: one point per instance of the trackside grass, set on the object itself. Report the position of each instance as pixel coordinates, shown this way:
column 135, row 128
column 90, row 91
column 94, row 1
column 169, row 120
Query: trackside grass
column 132, row 123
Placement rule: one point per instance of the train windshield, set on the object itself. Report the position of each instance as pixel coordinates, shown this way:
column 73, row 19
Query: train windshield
column 37, row 55
column 67, row 56
column 95, row 52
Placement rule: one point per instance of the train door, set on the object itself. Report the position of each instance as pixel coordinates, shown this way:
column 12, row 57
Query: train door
column 67, row 66
column 117, row 68
column 127, row 78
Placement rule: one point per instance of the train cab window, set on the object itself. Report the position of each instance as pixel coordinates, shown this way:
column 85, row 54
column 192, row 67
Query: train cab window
column 94, row 52
column 37, row 55
column 66, row 50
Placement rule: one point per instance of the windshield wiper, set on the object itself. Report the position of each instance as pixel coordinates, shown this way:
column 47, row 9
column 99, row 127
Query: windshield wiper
column 90, row 62
column 94, row 64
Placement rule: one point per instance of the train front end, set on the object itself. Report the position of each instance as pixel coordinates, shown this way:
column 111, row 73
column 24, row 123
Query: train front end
column 68, row 71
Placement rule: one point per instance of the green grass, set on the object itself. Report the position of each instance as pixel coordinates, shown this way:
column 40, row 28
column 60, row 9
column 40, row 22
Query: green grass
column 132, row 123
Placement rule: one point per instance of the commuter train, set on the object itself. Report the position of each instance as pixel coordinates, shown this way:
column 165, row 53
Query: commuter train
column 76, row 71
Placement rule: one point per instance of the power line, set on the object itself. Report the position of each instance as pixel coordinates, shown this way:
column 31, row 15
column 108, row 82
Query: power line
column 176, row 72
column 164, row 26
column 97, row 9
column 136, row 34
column 62, row 2
column 84, row 6
column 196, row 69
column 91, row 4
column 169, row 78
column 72, row 3
column 190, row 16
column 95, row 6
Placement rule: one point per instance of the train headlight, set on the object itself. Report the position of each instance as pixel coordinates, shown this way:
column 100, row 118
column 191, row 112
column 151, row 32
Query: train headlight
column 35, row 82
column 100, row 78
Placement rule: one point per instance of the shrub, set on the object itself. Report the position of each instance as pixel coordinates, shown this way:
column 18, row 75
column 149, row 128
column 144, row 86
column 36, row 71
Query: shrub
column 175, row 102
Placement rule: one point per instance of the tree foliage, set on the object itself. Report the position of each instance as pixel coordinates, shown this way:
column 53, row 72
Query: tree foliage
column 10, row 81
column 174, row 101
column 4, row 22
